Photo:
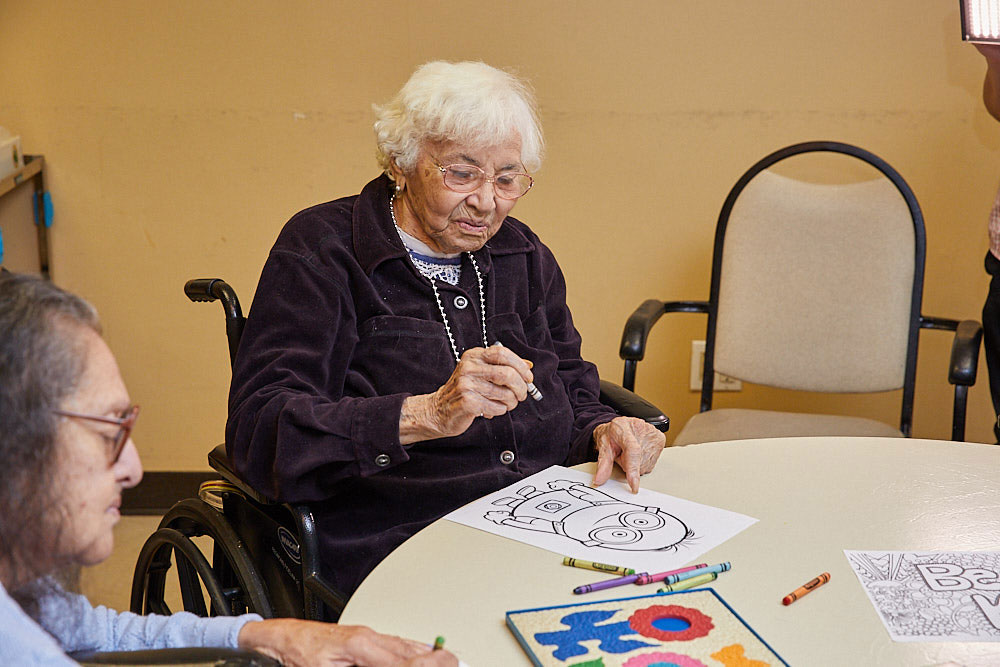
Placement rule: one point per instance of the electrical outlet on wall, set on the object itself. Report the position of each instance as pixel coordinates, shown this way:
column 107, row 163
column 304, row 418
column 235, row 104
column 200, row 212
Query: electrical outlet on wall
column 722, row 382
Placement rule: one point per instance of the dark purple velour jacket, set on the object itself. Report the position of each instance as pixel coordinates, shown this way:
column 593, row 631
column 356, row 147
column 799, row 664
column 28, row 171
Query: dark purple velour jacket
column 343, row 328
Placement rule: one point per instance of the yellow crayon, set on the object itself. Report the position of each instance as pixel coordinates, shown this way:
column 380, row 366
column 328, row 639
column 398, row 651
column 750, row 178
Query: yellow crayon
column 599, row 567
column 690, row 583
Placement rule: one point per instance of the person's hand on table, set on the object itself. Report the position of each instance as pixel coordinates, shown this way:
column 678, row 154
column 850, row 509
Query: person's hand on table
column 297, row 643
column 631, row 443
column 487, row 382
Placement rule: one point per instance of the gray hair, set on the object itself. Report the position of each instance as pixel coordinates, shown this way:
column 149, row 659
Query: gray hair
column 41, row 361
column 467, row 102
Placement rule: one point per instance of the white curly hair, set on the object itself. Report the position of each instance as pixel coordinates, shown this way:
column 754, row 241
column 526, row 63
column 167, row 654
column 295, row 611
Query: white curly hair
column 467, row 102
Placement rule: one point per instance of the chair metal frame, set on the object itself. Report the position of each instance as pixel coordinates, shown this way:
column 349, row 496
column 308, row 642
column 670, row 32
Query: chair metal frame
column 965, row 348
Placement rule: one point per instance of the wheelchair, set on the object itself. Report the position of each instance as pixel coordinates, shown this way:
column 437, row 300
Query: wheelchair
column 264, row 554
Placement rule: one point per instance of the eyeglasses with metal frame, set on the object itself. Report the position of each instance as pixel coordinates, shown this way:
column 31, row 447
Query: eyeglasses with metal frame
column 125, row 424
column 466, row 178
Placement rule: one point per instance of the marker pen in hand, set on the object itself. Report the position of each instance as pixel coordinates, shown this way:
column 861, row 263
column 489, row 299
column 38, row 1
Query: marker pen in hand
column 532, row 389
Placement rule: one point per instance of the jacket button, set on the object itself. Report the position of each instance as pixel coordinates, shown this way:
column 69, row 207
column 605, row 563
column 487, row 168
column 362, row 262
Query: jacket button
column 461, row 302
column 382, row 460
column 506, row 457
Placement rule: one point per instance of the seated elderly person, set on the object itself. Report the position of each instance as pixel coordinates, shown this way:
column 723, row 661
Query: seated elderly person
column 67, row 454
column 395, row 335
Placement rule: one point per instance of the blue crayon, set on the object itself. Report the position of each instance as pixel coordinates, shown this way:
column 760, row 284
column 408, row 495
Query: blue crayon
column 674, row 578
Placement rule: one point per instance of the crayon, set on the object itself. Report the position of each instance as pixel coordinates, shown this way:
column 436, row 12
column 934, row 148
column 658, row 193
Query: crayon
column 690, row 583
column 610, row 583
column 805, row 588
column 532, row 389
column 660, row 576
column 599, row 567
column 674, row 578
column 438, row 643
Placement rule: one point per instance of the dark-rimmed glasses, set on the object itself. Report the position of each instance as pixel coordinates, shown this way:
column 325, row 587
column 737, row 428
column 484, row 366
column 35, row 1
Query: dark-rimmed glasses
column 469, row 178
column 125, row 423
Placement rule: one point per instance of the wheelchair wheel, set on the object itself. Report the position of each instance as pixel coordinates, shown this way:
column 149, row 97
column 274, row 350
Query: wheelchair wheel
column 231, row 582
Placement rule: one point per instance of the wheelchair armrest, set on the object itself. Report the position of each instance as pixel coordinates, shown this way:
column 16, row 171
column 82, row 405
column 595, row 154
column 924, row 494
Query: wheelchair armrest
column 630, row 404
column 178, row 656
column 219, row 461
column 314, row 583
column 965, row 353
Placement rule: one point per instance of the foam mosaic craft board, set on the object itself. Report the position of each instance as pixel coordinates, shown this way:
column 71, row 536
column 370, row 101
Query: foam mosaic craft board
column 693, row 628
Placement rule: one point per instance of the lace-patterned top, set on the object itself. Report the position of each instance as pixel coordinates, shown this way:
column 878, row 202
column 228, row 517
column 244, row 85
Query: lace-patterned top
column 432, row 265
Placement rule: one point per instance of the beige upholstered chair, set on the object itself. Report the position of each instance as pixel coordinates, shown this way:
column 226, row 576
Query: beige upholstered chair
column 817, row 279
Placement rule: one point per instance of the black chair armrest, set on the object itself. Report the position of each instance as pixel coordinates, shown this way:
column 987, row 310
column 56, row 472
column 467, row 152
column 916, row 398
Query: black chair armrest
column 965, row 353
column 640, row 322
column 964, row 350
column 179, row 656
column 638, row 325
column 630, row 404
column 963, row 366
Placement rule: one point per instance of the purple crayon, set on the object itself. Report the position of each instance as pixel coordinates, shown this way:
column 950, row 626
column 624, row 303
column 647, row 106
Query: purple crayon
column 608, row 583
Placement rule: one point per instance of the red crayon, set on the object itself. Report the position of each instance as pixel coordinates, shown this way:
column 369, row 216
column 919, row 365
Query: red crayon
column 805, row 588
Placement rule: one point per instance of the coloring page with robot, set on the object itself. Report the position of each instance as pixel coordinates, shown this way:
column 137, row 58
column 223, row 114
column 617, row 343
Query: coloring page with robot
column 557, row 509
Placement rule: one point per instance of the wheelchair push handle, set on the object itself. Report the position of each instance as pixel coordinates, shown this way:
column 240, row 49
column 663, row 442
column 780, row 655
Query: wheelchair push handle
column 200, row 289
column 210, row 289
column 217, row 289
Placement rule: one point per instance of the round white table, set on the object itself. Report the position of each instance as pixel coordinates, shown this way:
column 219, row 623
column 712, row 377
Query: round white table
column 814, row 498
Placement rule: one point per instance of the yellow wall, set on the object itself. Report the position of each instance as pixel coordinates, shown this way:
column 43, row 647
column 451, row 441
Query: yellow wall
column 181, row 135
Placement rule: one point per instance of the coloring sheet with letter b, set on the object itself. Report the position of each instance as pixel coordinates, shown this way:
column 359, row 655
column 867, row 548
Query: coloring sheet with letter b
column 933, row 596
column 557, row 509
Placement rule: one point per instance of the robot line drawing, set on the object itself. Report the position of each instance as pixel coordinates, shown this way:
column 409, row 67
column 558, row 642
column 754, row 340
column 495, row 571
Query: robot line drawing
column 591, row 517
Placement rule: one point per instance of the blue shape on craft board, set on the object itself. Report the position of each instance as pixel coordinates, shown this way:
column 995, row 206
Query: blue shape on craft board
column 582, row 627
column 671, row 624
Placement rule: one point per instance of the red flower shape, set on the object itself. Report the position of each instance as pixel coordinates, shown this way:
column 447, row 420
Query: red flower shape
column 642, row 622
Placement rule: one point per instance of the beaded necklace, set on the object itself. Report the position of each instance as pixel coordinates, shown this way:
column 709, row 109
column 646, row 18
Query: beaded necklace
column 437, row 297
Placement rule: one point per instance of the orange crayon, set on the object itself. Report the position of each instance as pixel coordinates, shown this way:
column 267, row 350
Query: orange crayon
column 807, row 587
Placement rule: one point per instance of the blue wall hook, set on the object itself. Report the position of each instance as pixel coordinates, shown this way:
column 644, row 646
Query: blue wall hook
column 46, row 208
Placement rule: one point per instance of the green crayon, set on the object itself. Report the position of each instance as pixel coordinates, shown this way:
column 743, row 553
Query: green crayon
column 690, row 583
column 599, row 567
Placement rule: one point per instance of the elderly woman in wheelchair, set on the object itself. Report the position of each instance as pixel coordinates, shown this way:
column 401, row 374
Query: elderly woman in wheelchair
column 67, row 455
column 395, row 335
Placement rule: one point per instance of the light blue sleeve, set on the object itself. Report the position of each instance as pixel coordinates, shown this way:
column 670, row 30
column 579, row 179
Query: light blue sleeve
column 23, row 642
column 79, row 626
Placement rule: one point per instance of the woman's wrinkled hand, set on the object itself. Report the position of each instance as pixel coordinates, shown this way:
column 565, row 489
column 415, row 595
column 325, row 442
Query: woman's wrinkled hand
column 487, row 382
column 631, row 443
column 297, row 643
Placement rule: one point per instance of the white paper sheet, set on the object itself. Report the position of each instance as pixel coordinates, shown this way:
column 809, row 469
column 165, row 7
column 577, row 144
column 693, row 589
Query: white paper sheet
column 558, row 510
column 933, row 596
